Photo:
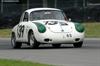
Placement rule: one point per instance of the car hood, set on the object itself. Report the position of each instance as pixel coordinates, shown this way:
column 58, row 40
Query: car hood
column 57, row 25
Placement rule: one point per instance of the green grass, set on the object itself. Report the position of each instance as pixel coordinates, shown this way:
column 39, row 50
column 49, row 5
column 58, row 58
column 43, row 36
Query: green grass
column 91, row 30
column 5, row 33
column 5, row 62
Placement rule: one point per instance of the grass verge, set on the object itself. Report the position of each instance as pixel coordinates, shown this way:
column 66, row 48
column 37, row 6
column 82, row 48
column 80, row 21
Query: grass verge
column 5, row 33
column 6, row 62
column 92, row 30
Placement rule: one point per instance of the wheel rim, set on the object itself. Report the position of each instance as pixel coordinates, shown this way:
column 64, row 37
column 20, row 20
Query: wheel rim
column 13, row 41
column 31, row 39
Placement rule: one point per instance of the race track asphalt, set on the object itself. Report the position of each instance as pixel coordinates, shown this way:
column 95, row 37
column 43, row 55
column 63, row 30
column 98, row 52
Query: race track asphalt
column 88, row 55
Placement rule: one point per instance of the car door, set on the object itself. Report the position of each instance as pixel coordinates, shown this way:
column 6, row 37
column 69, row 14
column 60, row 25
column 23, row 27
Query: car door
column 21, row 29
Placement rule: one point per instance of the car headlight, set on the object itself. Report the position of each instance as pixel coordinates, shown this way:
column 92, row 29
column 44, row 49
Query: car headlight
column 41, row 27
column 79, row 27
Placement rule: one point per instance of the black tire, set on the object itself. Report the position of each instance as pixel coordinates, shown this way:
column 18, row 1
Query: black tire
column 78, row 45
column 56, row 45
column 15, row 45
column 32, row 41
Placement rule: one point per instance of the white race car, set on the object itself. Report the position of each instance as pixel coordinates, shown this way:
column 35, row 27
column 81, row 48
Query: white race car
column 46, row 26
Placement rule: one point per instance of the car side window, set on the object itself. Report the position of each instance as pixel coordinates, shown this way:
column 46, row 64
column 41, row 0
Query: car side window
column 25, row 18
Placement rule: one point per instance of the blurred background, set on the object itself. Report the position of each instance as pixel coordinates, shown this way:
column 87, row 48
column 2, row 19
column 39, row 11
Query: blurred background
column 77, row 10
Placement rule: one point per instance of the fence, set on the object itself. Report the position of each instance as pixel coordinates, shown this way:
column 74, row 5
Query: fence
column 74, row 9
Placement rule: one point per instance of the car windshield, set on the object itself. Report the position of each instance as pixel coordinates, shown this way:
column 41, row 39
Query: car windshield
column 46, row 14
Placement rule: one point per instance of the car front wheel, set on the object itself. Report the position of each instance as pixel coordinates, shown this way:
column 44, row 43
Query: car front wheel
column 78, row 45
column 15, row 45
column 32, row 41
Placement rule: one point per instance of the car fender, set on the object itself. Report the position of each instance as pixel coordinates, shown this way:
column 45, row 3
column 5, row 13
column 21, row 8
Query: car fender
column 14, row 30
column 31, row 27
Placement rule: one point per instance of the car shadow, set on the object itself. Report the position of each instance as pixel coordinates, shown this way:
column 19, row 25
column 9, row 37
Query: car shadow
column 39, row 48
column 43, row 47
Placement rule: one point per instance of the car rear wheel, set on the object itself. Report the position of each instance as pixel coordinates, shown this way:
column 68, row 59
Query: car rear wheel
column 56, row 45
column 32, row 41
column 15, row 45
column 78, row 45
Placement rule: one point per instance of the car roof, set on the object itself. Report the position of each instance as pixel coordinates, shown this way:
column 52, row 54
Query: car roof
column 37, row 9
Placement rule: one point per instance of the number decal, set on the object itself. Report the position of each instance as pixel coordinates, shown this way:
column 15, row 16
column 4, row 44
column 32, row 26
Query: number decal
column 69, row 35
column 20, row 31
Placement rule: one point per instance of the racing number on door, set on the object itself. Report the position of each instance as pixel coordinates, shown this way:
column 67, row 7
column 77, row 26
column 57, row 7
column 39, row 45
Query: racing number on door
column 20, row 31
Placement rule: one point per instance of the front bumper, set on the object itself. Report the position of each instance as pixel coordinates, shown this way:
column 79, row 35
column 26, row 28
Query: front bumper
column 51, row 37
